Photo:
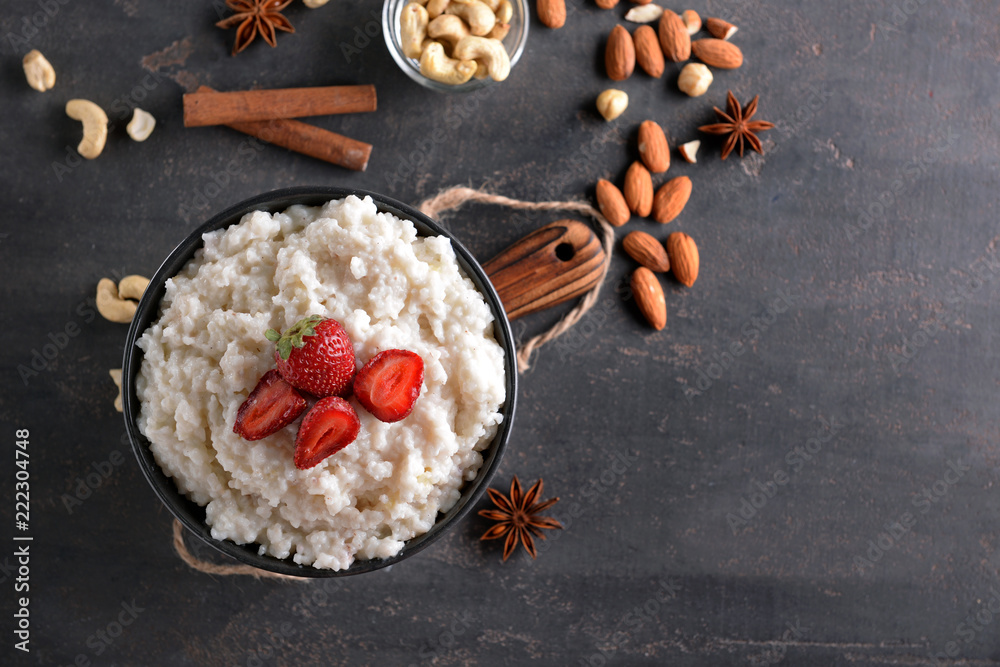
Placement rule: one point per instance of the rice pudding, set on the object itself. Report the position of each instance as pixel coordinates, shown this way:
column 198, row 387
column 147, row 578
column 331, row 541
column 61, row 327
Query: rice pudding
column 389, row 288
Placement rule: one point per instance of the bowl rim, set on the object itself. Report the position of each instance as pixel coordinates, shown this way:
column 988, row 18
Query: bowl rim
column 391, row 10
column 192, row 515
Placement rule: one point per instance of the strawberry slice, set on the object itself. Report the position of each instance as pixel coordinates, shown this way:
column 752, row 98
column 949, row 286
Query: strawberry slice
column 271, row 406
column 389, row 384
column 328, row 427
column 315, row 355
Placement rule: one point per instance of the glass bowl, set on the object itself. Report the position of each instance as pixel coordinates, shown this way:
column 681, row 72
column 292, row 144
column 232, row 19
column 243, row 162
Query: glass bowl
column 514, row 43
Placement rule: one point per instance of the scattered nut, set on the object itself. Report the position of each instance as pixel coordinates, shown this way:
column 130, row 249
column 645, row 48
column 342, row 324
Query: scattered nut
column 649, row 297
column 116, row 377
column 644, row 13
column 95, row 126
column 719, row 28
column 689, row 151
column 607, row 4
column 487, row 52
column 435, row 65
column 111, row 305
column 612, row 103
column 314, row 4
column 611, row 201
column 476, row 15
column 141, row 125
column 674, row 37
column 653, row 147
column 551, row 12
column 717, row 53
column 413, row 29
column 648, row 53
column 684, row 259
column 695, row 79
column 646, row 250
column 671, row 199
column 132, row 287
column 38, row 71
column 691, row 21
column 619, row 54
column 639, row 189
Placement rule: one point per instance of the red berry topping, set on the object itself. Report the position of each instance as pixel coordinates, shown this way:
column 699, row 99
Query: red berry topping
column 331, row 425
column 271, row 406
column 388, row 385
column 315, row 355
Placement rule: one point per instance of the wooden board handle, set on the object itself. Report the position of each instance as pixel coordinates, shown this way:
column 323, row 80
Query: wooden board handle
column 562, row 260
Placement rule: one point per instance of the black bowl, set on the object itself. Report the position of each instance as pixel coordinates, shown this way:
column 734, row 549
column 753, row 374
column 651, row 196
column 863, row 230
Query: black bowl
column 191, row 514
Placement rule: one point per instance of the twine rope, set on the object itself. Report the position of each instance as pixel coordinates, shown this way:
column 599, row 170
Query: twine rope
column 215, row 568
column 456, row 196
column 447, row 200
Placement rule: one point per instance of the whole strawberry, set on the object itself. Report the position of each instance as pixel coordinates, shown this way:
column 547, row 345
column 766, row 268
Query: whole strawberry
column 315, row 355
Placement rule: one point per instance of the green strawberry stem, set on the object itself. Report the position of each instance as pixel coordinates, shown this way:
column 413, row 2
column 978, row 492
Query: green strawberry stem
column 294, row 335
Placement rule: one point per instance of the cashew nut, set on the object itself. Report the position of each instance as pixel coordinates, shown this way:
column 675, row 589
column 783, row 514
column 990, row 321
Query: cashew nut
column 499, row 31
column 447, row 28
column 480, row 18
column 95, row 126
column 132, row 287
column 492, row 4
column 504, row 12
column 489, row 52
column 412, row 29
column 38, row 71
column 111, row 305
column 141, row 125
column 313, row 4
column 435, row 8
column 434, row 64
column 116, row 376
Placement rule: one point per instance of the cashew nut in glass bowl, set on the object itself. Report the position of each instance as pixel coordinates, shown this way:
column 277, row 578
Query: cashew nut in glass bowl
column 455, row 45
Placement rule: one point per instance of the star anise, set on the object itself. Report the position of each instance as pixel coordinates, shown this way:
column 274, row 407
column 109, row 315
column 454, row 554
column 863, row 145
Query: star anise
column 738, row 126
column 518, row 517
column 256, row 16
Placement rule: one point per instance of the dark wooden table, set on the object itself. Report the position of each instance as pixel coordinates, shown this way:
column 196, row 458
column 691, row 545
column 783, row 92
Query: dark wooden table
column 798, row 469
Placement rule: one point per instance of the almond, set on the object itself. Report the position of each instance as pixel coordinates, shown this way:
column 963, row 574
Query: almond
column 674, row 37
column 639, row 189
column 648, row 53
column 612, row 203
column 552, row 12
column 717, row 53
column 719, row 28
column 683, row 255
column 671, row 199
column 646, row 250
column 607, row 4
column 689, row 151
column 691, row 21
column 644, row 13
column 649, row 297
column 619, row 55
column 653, row 147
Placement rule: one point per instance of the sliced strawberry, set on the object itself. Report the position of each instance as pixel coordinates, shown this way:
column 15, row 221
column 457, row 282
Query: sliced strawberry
column 328, row 427
column 315, row 355
column 271, row 406
column 389, row 384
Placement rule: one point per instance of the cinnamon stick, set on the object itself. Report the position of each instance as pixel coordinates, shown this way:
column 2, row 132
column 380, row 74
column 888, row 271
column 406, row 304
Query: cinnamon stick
column 214, row 108
column 307, row 139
